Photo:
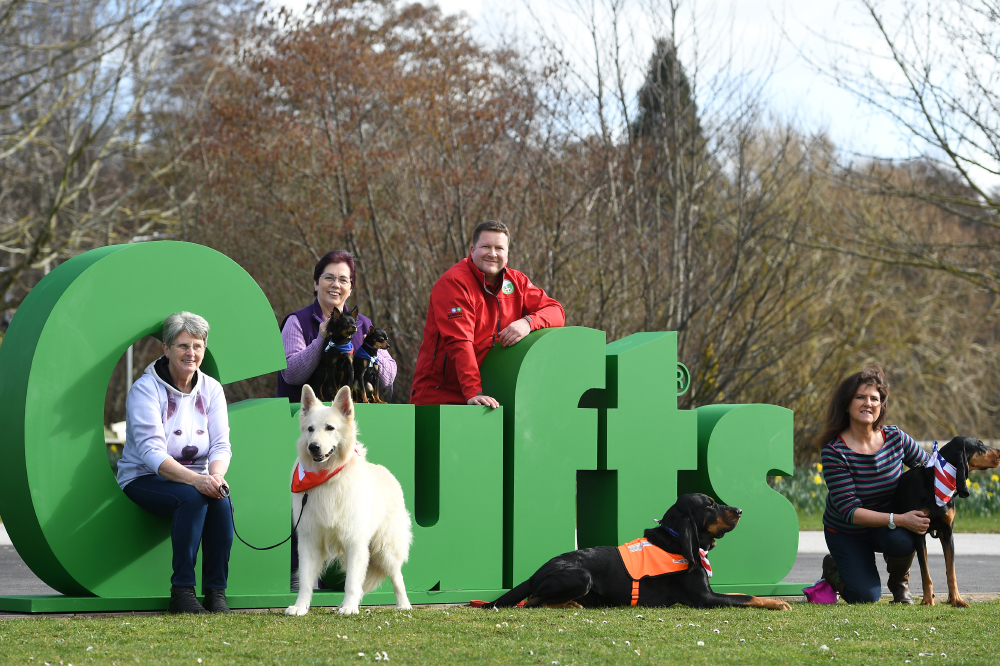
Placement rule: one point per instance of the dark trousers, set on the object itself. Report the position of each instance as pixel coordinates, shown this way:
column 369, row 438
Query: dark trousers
column 855, row 558
column 197, row 519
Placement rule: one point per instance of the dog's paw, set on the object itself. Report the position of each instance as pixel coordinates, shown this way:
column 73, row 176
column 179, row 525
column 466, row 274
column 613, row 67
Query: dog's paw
column 405, row 606
column 298, row 611
column 770, row 604
column 348, row 610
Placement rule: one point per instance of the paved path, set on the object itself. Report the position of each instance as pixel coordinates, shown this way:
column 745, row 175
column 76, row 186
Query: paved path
column 965, row 544
column 977, row 565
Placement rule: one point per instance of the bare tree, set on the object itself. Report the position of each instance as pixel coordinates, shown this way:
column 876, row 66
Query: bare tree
column 77, row 126
column 934, row 71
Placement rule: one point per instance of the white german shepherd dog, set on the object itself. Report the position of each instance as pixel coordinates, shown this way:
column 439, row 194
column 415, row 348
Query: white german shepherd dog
column 356, row 515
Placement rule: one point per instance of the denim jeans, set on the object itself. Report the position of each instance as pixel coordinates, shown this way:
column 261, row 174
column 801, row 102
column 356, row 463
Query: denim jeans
column 197, row 519
column 855, row 558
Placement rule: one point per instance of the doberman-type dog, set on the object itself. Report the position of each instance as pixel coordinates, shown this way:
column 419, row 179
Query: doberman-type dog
column 916, row 491
column 365, row 387
column 336, row 362
column 598, row 577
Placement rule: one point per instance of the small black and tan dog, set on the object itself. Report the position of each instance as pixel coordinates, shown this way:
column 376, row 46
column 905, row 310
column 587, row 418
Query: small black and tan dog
column 916, row 491
column 365, row 388
column 336, row 362
column 599, row 577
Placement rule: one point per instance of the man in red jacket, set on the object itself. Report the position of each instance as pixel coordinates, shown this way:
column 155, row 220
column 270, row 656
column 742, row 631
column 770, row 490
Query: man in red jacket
column 477, row 303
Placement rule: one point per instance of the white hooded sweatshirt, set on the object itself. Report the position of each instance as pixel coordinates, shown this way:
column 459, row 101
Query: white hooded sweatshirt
column 162, row 422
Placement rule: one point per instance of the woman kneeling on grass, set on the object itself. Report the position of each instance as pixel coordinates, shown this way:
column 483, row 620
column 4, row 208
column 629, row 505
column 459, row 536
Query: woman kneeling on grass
column 175, row 459
column 862, row 462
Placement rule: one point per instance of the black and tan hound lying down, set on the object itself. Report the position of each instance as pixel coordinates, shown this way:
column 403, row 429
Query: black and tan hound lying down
column 600, row 577
column 916, row 491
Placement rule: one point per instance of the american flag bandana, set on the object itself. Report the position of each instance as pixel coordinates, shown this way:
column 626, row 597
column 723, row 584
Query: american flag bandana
column 944, row 478
column 704, row 561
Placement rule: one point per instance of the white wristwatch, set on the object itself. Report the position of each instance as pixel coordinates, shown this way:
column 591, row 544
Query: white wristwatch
column 892, row 523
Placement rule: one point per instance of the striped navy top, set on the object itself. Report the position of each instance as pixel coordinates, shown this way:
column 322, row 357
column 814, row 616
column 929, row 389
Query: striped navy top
column 856, row 480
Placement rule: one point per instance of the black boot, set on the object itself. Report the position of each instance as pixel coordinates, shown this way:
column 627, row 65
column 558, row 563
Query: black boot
column 832, row 575
column 182, row 600
column 899, row 578
column 215, row 601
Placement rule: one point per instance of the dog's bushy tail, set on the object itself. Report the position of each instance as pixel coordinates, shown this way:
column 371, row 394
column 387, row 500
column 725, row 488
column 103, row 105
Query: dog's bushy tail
column 511, row 598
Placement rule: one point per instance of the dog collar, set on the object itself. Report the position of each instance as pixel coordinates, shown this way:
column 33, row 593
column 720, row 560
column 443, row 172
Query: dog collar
column 345, row 348
column 944, row 478
column 364, row 354
column 303, row 479
column 672, row 532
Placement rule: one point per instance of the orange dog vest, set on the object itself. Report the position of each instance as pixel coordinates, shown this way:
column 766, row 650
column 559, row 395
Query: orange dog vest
column 642, row 559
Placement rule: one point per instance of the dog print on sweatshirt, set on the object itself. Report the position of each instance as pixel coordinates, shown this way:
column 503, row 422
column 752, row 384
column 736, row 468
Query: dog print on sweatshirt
column 187, row 427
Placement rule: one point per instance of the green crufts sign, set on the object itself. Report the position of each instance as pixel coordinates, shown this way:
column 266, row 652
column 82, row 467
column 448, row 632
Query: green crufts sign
column 589, row 446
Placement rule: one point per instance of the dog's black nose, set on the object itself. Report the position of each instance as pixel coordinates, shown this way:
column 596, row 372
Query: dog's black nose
column 739, row 512
column 314, row 448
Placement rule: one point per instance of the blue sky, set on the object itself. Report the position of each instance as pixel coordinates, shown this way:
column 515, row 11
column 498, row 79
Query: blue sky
column 762, row 35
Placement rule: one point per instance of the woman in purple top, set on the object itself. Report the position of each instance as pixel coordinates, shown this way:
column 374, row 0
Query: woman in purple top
column 862, row 461
column 302, row 331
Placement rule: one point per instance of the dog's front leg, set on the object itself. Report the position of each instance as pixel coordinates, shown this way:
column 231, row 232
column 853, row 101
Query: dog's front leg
column 925, row 574
column 356, row 562
column 310, row 568
column 948, row 546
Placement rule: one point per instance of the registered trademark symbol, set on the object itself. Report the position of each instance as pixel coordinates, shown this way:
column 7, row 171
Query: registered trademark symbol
column 683, row 378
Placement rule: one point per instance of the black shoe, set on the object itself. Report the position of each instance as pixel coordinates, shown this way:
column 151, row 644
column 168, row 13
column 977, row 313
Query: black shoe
column 215, row 601
column 831, row 575
column 183, row 600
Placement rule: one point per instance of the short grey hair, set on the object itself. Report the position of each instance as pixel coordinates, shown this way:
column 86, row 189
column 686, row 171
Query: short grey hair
column 195, row 326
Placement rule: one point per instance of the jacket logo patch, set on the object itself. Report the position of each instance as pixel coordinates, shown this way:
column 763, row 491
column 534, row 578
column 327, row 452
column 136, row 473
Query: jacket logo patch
column 508, row 287
column 455, row 312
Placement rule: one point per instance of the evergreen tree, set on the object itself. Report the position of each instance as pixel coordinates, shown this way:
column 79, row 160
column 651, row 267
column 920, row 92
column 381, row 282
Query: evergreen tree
column 665, row 97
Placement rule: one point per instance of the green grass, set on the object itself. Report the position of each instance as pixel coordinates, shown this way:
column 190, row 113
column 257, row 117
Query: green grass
column 810, row 521
column 871, row 633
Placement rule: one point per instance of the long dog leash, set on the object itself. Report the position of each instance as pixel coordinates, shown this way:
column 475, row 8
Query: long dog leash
column 299, row 475
column 224, row 489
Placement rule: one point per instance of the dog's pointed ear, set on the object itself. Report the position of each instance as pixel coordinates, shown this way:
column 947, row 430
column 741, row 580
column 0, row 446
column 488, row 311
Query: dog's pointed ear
column 354, row 311
column 309, row 399
column 342, row 402
column 388, row 330
column 335, row 314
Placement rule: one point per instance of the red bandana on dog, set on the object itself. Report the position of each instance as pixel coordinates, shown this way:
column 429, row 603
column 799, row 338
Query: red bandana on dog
column 944, row 478
column 303, row 479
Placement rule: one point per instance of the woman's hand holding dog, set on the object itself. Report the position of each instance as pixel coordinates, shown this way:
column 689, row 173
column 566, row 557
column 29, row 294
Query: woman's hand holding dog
column 915, row 521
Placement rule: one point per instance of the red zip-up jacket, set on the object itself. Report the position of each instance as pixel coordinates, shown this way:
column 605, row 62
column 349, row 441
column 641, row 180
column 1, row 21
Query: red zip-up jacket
column 464, row 320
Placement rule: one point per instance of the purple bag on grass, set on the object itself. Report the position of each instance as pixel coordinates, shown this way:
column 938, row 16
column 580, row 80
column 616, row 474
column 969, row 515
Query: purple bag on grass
column 820, row 593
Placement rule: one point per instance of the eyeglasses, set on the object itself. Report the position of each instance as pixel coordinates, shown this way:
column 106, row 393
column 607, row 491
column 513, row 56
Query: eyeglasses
column 185, row 347
column 331, row 279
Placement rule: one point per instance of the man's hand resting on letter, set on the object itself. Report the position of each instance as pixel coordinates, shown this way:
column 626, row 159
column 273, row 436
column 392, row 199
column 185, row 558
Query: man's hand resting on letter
column 514, row 332
column 484, row 400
